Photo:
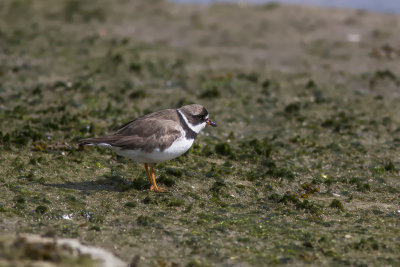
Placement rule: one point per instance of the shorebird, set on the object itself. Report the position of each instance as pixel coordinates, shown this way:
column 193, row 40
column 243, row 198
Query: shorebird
column 156, row 137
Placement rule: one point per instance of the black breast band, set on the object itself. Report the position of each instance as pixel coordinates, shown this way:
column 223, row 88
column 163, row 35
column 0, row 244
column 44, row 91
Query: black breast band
column 190, row 134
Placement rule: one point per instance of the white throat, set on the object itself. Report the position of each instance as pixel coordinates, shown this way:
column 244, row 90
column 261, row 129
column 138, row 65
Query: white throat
column 195, row 128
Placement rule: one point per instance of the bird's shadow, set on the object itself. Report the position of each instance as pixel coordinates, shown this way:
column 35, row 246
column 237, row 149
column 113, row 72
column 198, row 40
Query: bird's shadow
column 105, row 183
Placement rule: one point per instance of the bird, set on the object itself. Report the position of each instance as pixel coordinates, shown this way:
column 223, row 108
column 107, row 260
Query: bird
column 156, row 137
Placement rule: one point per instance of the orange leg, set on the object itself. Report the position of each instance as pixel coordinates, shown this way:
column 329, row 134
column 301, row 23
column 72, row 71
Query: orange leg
column 154, row 186
column 146, row 166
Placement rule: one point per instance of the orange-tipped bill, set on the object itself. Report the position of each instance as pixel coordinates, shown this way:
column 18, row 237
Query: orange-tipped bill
column 210, row 122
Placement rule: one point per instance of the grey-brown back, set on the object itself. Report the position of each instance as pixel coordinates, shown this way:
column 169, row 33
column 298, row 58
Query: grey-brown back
column 156, row 130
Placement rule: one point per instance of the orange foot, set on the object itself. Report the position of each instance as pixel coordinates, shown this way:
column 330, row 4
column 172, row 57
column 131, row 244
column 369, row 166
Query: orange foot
column 157, row 189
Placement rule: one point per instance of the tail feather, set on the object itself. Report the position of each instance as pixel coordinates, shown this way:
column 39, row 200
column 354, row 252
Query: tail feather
column 101, row 141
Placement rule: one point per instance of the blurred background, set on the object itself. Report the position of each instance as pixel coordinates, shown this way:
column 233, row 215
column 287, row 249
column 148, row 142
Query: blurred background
column 387, row 6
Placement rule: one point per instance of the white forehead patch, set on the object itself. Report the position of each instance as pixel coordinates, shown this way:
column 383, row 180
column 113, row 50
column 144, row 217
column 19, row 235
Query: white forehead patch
column 194, row 128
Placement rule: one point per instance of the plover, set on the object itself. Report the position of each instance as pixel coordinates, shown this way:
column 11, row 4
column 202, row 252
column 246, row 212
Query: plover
column 156, row 137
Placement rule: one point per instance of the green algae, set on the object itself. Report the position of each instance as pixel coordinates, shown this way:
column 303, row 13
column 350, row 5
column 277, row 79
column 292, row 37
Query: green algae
column 336, row 204
column 301, row 170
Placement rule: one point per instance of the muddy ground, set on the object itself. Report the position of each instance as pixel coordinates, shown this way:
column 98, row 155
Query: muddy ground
column 303, row 168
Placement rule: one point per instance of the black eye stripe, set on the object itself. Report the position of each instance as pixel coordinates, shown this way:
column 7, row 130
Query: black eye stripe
column 201, row 116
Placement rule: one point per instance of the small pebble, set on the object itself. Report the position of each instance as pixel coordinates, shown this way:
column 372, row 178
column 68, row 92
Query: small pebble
column 67, row 217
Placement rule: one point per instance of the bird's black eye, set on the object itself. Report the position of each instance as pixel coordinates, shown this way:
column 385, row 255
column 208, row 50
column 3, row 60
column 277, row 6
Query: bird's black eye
column 201, row 117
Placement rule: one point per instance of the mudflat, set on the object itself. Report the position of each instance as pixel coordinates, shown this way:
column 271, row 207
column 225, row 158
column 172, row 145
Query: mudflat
column 303, row 168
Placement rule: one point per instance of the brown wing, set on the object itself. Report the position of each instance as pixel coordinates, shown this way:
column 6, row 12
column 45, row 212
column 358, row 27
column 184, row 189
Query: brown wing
column 156, row 130
column 166, row 114
column 148, row 135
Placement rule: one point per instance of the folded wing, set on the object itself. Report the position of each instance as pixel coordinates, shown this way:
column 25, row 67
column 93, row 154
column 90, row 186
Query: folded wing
column 146, row 135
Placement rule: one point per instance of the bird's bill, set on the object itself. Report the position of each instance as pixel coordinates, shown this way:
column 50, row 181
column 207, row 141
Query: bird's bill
column 210, row 122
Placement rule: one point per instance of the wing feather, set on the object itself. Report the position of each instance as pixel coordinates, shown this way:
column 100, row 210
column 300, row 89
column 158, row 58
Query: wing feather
column 149, row 135
column 152, row 131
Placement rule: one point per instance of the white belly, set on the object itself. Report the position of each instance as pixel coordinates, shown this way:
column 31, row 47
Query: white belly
column 180, row 146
